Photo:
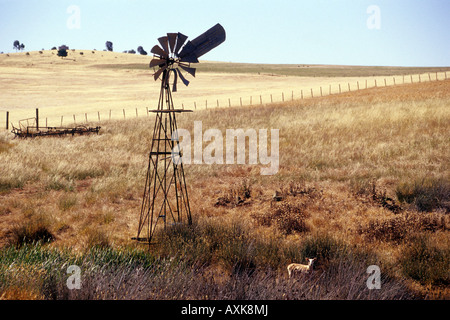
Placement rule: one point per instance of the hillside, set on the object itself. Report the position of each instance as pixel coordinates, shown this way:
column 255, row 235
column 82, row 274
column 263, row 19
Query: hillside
column 103, row 84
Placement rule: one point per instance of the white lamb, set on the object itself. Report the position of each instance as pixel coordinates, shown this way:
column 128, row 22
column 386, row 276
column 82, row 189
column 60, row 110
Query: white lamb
column 301, row 268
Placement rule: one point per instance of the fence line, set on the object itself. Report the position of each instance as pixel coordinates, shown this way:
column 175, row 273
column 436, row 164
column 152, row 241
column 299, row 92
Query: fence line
column 420, row 78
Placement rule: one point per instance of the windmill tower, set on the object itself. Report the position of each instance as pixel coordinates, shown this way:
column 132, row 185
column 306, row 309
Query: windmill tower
column 165, row 199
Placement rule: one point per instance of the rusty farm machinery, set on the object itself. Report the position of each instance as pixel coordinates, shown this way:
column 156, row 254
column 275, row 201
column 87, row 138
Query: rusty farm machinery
column 28, row 128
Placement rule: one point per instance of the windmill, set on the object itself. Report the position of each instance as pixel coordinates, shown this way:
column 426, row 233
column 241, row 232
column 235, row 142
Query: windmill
column 165, row 194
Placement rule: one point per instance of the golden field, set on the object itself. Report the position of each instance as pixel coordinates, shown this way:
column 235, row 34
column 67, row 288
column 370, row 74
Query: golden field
column 106, row 83
column 363, row 176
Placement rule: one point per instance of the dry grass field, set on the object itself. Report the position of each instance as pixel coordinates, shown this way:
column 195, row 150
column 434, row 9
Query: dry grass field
column 102, row 82
column 363, row 179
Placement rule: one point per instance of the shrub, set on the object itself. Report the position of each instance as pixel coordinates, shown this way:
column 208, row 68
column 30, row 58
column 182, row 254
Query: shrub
column 288, row 218
column 34, row 231
column 425, row 263
column 398, row 228
column 426, row 194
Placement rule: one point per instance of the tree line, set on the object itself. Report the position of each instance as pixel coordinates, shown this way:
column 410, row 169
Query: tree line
column 62, row 50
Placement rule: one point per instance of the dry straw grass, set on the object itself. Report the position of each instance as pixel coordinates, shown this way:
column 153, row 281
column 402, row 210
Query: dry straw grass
column 345, row 161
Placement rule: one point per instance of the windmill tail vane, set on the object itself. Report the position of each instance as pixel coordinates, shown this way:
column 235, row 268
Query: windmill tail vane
column 165, row 194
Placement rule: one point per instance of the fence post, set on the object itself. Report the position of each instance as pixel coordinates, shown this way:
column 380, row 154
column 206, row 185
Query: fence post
column 385, row 82
column 98, row 113
column 109, row 114
column 240, row 98
column 74, row 119
column 62, row 117
column 195, row 105
column 312, row 94
column 85, row 115
column 376, row 83
column 217, row 103
column 394, row 80
column 321, row 92
column 348, row 86
column 260, row 99
column 366, row 83
column 124, row 113
column 429, row 77
column 329, row 90
column 292, row 96
column 339, row 88
column 146, row 108
column 7, row 120
column 136, row 113
column 37, row 119
column 411, row 78
column 302, row 94
column 271, row 99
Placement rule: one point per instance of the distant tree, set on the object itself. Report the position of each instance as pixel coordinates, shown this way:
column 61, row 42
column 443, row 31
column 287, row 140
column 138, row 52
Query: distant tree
column 131, row 51
column 142, row 51
column 18, row 46
column 54, row 48
column 109, row 45
column 62, row 51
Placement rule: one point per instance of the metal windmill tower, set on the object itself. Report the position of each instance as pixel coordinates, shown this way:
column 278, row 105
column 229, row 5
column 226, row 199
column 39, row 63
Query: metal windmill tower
column 165, row 197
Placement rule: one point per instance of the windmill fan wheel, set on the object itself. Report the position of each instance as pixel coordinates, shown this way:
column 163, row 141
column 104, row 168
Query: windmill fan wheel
column 174, row 54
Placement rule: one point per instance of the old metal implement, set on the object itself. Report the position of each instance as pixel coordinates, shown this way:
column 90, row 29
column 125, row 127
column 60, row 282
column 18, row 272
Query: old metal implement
column 28, row 129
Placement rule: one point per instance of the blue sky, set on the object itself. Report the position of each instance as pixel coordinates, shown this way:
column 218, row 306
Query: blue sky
column 349, row 32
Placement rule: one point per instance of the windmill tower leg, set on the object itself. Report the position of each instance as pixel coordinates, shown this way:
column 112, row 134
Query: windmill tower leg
column 165, row 201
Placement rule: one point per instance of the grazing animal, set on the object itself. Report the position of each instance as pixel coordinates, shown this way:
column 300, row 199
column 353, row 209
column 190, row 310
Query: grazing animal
column 301, row 268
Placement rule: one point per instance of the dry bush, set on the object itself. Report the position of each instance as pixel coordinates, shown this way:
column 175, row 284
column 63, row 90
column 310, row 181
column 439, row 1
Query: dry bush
column 398, row 228
column 37, row 229
column 286, row 217
column 425, row 263
column 426, row 194
column 236, row 195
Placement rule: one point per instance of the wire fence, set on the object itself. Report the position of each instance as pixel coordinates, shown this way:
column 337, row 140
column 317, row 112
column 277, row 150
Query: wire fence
column 261, row 99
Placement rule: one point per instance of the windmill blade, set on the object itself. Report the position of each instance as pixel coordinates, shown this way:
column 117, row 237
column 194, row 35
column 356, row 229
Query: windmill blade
column 158, row 51
column 158, row 72
column 185, row 81
column 172, row 41
column 164, row 43
column 181, row 39
column 157, row 62
column 190, row 70
column 175, row 79
column 205, row 42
